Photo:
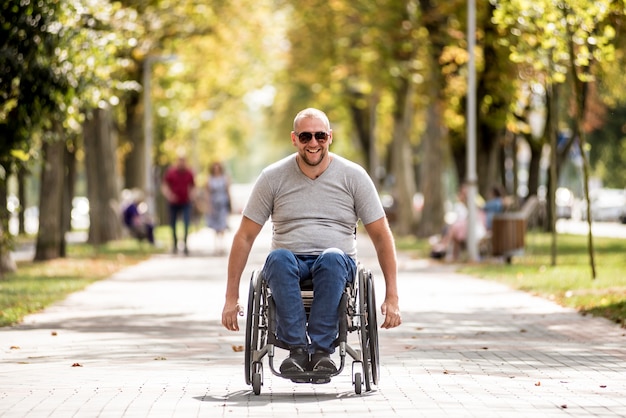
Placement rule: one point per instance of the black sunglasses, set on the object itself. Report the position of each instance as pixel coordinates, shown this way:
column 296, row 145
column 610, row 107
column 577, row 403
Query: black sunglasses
column 305, row 137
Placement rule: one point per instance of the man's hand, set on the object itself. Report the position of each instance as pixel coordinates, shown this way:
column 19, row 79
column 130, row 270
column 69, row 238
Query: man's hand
column 391, row 311
column 229, row 315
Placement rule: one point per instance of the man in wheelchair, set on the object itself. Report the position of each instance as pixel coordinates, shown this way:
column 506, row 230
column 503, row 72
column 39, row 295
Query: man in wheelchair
column 315, row 199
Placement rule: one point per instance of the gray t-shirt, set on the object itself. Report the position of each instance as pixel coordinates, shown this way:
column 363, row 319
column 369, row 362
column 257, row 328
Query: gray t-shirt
column 309, row 216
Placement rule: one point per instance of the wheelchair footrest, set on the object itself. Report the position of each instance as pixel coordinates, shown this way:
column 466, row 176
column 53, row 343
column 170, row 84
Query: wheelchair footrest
column 308, row 377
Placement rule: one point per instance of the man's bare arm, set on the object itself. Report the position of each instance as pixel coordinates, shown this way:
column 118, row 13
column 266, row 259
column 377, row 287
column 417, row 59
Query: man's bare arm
column 381, row 236
column 240, row 250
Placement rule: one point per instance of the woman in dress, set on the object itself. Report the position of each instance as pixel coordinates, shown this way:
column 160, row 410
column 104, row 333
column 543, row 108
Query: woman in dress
column 218, row 209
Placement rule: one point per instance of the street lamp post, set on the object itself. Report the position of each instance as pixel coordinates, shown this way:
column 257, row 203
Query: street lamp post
column 149, row 181
column 472, row 178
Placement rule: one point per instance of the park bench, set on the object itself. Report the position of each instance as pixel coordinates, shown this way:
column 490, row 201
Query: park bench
column 508, row 230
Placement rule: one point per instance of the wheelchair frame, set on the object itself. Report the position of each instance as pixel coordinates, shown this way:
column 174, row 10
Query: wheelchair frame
column 357, row 313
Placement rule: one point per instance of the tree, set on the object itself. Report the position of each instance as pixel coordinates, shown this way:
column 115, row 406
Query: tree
column 218, row 55
column 102, row 187
column 435, row 143
column 366, row 77
column 86, row 56
column 606, row 139
column 60, row 59
column 557, row 40
column 51, row 238
column 30, row 83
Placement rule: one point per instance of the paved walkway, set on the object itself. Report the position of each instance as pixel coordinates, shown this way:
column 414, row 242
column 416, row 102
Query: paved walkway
column 148, row 343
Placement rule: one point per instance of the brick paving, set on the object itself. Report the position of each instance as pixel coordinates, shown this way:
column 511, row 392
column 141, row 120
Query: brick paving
column 147, row 342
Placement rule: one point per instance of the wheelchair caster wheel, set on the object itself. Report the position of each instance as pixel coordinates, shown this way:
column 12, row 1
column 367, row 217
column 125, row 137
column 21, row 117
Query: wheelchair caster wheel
column 358, row 381
column 256, row 383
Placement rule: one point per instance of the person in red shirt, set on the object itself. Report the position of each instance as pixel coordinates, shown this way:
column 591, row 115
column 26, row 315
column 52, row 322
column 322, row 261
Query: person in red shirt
column 178, row 187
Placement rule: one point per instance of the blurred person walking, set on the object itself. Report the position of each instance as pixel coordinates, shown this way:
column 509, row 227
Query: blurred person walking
column 178, row 187
column 218, row 204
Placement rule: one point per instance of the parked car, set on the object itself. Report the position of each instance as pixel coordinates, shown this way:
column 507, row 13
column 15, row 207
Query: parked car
column 607, row 205
column 80, row 213
column 564, row 199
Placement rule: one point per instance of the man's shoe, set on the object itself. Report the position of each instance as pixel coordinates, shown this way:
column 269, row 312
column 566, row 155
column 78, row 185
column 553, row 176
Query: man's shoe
column 321, row 362
column 296, row 362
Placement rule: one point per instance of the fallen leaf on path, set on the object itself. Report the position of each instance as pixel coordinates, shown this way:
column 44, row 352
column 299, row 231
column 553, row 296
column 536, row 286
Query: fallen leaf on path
column 77, row 365
column 15, row 347
column 538, row 384
column 53, row 333
column 238, row 348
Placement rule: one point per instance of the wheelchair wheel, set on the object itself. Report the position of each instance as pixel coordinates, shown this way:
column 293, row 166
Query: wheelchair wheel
column 358, row 381
column 257, row 378
column 255, row 333
column 372, row 328
column 368, row 330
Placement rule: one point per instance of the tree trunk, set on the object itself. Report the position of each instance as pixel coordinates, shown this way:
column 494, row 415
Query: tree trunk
column 372, row 152
column 433, row 159
column 488, row 159
column 102, row 179
column 401, row 158
column 435, row 145
column 7, row 264
column 134, row 162
column 360, row 119
column 552, row 177
column 4, row 192
column 69, row 182
column 21, row 195
column 581, row 89
column 534, row 165
column 50, row 239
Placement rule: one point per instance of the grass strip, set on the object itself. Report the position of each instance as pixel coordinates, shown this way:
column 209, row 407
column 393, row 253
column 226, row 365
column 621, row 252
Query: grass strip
column 36, row 285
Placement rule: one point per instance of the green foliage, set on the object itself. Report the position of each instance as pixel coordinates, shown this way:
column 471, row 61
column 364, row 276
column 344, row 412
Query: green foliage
column 29, row 86
column 539, row 35
column 570, row 43
column 58, row 59
column 226, row 54
column 607, row 151
column 363, row 53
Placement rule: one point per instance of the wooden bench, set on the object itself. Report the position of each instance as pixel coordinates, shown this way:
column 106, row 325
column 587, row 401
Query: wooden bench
column 508, row 231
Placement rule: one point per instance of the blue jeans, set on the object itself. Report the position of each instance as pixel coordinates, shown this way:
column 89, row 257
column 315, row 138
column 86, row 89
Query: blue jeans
column 330, row 271
column 175, row 209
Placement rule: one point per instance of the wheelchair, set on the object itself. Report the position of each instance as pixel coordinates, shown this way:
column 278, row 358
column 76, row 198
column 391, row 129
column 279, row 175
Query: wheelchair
column 357, row 320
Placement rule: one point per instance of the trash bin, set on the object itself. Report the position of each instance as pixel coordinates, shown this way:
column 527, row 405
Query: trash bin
column 508, row 232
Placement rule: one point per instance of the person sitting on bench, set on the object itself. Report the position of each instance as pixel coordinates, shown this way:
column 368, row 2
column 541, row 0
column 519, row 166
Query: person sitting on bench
column 136, row 219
